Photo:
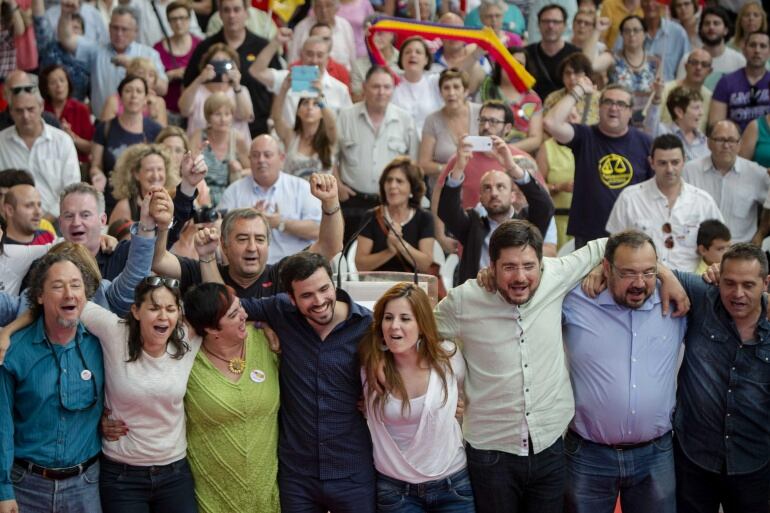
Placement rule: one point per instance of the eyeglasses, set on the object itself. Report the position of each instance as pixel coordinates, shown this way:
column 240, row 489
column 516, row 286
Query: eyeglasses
column 723, row 140
column 85, row 374
column 172, row 19
column 157, row 281
column 491, row 121
column 584, row 23
column 668, row 242
column 606, row 102
column 699, row 64
column 23, row 89
column 632, row 31
column 633, row 275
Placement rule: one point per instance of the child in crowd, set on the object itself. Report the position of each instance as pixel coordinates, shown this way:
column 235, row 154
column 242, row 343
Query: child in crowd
column 713, row 240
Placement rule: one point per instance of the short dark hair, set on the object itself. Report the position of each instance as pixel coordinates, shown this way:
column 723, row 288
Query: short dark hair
column 578, row 62
column 206, row 304
column 39, row 273
column 410, row 40
column 413, row 173
column 376, row 69
column 11, row 177
column 746, row 251
column 131, row 78
column 721, row 13
column 501, row 106
column 43, row 82
column 178, row 4
column 142, row 293
column 551, row 7
column 759, row 32
column 681, row 97
column 631, row 238
column 515, row 233
column 711, row 230
column 451, row 74
column 666, row 142
column 300, row 266
column 633, row 17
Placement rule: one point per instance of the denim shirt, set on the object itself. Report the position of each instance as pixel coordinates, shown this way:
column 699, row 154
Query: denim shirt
column 722, row 418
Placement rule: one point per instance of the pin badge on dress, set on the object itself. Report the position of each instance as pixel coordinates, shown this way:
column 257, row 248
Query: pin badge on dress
column 257, row 376
column 86, row 375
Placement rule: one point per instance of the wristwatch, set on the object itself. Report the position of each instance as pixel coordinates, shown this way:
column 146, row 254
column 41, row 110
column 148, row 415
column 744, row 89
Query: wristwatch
column 282, row 226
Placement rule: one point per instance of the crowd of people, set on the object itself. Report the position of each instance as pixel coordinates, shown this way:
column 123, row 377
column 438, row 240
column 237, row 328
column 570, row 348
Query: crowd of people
column 180, row 180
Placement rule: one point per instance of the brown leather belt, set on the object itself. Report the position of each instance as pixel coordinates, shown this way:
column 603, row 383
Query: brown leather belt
column 57, row 473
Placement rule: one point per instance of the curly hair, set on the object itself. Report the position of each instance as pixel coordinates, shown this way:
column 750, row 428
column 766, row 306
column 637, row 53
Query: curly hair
column 66, row 252
column 124, row 183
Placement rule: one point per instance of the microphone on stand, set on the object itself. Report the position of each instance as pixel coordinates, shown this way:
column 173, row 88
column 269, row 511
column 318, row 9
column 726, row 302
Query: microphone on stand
column 349, row 243
column 415, row 278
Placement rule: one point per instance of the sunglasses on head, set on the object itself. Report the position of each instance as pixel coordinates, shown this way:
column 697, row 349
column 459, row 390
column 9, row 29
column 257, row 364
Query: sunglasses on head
column 157, row 281
column 23, row 89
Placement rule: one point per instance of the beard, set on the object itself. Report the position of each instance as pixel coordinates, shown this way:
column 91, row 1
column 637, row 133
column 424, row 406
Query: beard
column 714, row 41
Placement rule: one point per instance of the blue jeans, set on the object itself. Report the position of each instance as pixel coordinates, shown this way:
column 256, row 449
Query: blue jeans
column 307, row 494
column 596, row 473
column 701, row 491
column 36, row 494
column 159, row 489
column 506, row 483
column 452, row 494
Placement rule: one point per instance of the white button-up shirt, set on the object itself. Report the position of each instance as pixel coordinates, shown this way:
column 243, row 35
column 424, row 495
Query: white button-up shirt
column 643, row 207
column 516, row 382
column 364, row 150
column 290, row 195
column 52, row 161
column 739, row 193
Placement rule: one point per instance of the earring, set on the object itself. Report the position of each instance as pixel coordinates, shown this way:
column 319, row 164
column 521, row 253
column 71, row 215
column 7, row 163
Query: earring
column 384, row 347
column 418, row 344
column 411, row 195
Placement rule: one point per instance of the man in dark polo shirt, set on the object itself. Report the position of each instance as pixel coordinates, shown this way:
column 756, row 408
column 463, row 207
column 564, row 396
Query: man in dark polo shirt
column 247, row 45
column 245, row 241
column 609, row 156
column 544, row 57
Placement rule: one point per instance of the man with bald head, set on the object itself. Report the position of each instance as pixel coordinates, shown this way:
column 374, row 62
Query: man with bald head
column 47, row 152
column 23, row 211
column 293, row 214
column 473, row 227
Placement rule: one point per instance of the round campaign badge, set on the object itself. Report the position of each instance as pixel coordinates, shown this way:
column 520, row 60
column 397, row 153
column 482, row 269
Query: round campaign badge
column 86, row 375
column 257, row 376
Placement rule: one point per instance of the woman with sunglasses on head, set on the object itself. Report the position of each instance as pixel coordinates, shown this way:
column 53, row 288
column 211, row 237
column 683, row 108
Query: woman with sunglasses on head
column 232, row 407
column 417, row 441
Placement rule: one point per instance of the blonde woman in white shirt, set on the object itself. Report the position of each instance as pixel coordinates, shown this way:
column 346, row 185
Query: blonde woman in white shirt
column 417, row 442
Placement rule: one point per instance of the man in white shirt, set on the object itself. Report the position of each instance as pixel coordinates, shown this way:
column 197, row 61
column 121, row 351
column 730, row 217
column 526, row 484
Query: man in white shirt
column 370, row 134
column 343, row 44
column 739, row 186
column 666, row 208
column 315, row 52
column 47, row 152
column 292, row 213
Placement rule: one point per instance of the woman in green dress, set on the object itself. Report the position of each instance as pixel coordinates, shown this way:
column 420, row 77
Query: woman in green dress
column 231, row 407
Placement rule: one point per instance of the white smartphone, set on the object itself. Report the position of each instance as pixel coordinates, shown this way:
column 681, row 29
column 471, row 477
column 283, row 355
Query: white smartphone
column 479, row 142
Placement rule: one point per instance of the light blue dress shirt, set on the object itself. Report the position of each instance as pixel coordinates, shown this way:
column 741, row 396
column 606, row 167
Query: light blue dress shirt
column 290, row 194
column 105, row 76
column 36, row 379
column 622, row 365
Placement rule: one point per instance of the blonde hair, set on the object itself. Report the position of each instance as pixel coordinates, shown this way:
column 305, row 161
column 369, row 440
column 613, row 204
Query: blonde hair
column 124, row 183
column 216, row 101
column 740, row 34
column 138, row 65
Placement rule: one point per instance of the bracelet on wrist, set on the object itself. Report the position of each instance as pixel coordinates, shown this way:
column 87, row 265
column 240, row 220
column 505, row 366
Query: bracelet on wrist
column 212, row 258
column 575, row 96
column 147, row 229
column 332, row 211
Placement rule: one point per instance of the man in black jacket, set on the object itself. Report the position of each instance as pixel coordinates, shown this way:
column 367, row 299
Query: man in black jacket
column 473, row 226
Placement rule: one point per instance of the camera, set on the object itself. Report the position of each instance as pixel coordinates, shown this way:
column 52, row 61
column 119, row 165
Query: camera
column 205, row 215
column 220, row 68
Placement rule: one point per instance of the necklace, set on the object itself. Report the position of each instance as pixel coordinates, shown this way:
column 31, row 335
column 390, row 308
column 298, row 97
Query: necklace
column 235, row 365
column 634, row 66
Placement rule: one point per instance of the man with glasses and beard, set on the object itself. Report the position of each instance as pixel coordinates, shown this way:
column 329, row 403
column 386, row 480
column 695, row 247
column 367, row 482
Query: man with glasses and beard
column 622, row 355
column 609, row 156
column 739, row 186
column 51, row 397
column 666, row 208
column 743, row 95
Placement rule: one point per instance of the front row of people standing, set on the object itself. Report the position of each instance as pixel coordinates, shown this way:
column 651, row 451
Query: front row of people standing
column 198, row 427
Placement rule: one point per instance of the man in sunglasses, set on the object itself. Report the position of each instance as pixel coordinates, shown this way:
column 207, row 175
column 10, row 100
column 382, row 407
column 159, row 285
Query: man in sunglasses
column 47, row 152
column 743, row 95
column 13, row 81
column 666, row 208
column 51, row 394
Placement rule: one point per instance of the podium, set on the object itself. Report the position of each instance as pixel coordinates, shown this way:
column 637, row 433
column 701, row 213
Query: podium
column 366, row 287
